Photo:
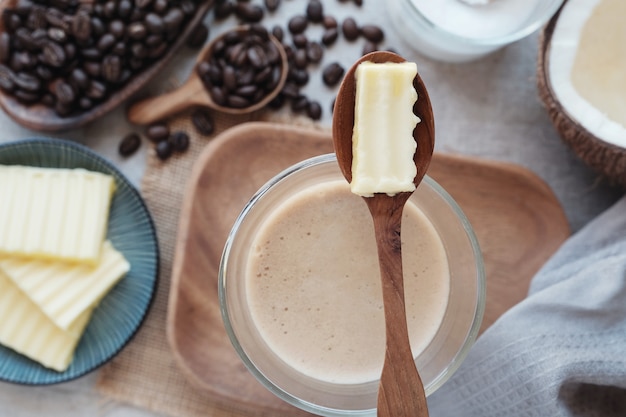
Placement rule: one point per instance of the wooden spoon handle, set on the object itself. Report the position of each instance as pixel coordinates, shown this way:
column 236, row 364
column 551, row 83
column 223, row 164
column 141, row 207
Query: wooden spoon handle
column 401, row 392
column 160, row 107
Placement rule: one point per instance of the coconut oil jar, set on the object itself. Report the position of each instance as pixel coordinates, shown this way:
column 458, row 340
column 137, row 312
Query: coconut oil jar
column 457, row 31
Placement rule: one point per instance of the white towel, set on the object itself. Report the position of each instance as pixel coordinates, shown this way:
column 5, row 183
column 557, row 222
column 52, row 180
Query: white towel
column 561, row 351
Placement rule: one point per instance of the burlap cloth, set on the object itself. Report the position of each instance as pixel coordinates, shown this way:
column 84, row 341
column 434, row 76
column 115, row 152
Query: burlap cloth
column 145, row 374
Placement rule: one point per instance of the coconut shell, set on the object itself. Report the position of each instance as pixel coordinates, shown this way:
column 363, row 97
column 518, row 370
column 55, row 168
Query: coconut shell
column 605, row 158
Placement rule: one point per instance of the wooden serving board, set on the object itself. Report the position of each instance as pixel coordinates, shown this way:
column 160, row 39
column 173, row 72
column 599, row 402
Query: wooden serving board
column 517, row 219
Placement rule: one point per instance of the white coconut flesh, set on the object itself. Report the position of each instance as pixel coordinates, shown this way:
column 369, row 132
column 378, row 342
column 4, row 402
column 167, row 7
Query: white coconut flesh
column 587, row 66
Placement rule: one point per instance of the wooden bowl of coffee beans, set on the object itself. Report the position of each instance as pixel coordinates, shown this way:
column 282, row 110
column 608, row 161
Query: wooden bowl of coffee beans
column 238, row 72
column 64, row 63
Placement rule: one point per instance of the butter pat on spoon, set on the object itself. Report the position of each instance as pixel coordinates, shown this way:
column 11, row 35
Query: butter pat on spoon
column 401, row 392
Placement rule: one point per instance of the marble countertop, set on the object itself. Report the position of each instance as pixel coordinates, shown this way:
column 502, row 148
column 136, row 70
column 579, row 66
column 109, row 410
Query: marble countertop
column 488, row 108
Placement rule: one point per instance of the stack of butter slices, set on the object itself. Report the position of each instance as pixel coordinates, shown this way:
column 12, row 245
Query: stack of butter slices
column 55, row 264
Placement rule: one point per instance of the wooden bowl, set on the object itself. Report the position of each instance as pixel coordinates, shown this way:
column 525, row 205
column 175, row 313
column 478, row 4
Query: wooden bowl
column 43, row 118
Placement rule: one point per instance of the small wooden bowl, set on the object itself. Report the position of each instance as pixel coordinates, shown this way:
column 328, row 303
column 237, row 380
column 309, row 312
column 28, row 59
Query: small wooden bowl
column 43, row 118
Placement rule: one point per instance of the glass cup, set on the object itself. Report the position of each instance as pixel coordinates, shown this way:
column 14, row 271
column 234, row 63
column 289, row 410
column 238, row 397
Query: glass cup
column 436, row 363
column 463, row 32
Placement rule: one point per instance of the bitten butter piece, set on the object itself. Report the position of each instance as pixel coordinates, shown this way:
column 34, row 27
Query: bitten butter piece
column 65, row 291
column 382, row 141
column 27, row 330
column 52, row 213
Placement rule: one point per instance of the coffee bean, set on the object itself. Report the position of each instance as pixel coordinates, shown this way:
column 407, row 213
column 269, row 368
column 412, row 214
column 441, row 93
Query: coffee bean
column 300, row 40
column 163, row 149
column 249, row 13
column 79, row 79
column 173, row 19
column 98, row 27
column 117, row 28
column 43, row 72
column 358, row 2
column 81, row 26
column 56, row 19
column 329, row 22
column 96, row 90
column 119, row 49
column 332, row 74
column 299, row 76
column 315, row 11
column 6, row 78
column 350, row 29
column 154, row 23
column 372, row 33
column 26, row 97
column 299, row 103
column 137, row 30
column 91, row 54
column 203, row 122
column 198, row 36
column 297, row 24
column 112, row 68
column 290, row 90
column 277, row 102
column 314, row 52
column 27, row 82
column 179, row 141
column 157, row 132
column 124, row 8
column 257, row 57
column 57, row 35
column 278, row 33
column 300, row 59
column 259, row 30
column 314, row 110
column 330, row 36
column 223, row 10
column 106, row 42
column 64, row 92
column 5, row 47
column 237, row 102
column 143, row 4
column 159, row 6
column 129, row 144
column 188, row 7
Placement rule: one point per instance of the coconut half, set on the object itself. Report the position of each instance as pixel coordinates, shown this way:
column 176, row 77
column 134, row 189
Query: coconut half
column 581, row 77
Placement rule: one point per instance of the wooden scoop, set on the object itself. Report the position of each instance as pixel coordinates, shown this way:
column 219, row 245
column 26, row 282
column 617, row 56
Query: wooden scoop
column 193, row 92
column 401, row 392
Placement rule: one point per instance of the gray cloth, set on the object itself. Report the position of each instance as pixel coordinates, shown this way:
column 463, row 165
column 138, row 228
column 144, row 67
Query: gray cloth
column 562, row 351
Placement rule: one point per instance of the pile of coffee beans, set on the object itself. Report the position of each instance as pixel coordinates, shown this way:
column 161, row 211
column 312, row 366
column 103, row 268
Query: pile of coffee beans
column 243, row 67
column 71, row 55
column 302, row 52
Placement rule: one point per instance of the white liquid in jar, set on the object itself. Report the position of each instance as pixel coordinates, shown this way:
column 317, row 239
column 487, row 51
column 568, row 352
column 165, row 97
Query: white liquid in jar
column 498, row 18
column 314, row 291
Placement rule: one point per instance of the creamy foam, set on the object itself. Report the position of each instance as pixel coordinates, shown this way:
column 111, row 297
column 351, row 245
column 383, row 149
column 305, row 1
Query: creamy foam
column 313, row 284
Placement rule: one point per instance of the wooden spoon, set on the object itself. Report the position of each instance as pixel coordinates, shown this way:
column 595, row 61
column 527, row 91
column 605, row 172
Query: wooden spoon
column 401, row 392
column 43, row 118
column 193, row 92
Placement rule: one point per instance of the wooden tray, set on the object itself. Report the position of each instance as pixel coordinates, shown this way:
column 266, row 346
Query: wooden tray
column 518, row 221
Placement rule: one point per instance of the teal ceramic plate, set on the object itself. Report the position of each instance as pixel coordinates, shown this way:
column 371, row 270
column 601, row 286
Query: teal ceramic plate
column 132, row 232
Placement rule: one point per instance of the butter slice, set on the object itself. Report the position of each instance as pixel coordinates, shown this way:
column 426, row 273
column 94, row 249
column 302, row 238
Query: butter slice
column 382, row 142
column 27, row 330
column 65, row 291
column 51, row 213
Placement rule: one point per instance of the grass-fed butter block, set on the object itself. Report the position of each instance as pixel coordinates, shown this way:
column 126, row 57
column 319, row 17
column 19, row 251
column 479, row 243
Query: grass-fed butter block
column 65, row 291
column 50, row 213
column 27, row 330
column 382, row 142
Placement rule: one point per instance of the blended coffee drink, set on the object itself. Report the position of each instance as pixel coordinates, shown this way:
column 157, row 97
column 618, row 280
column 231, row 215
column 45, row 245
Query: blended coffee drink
column 313, row 284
